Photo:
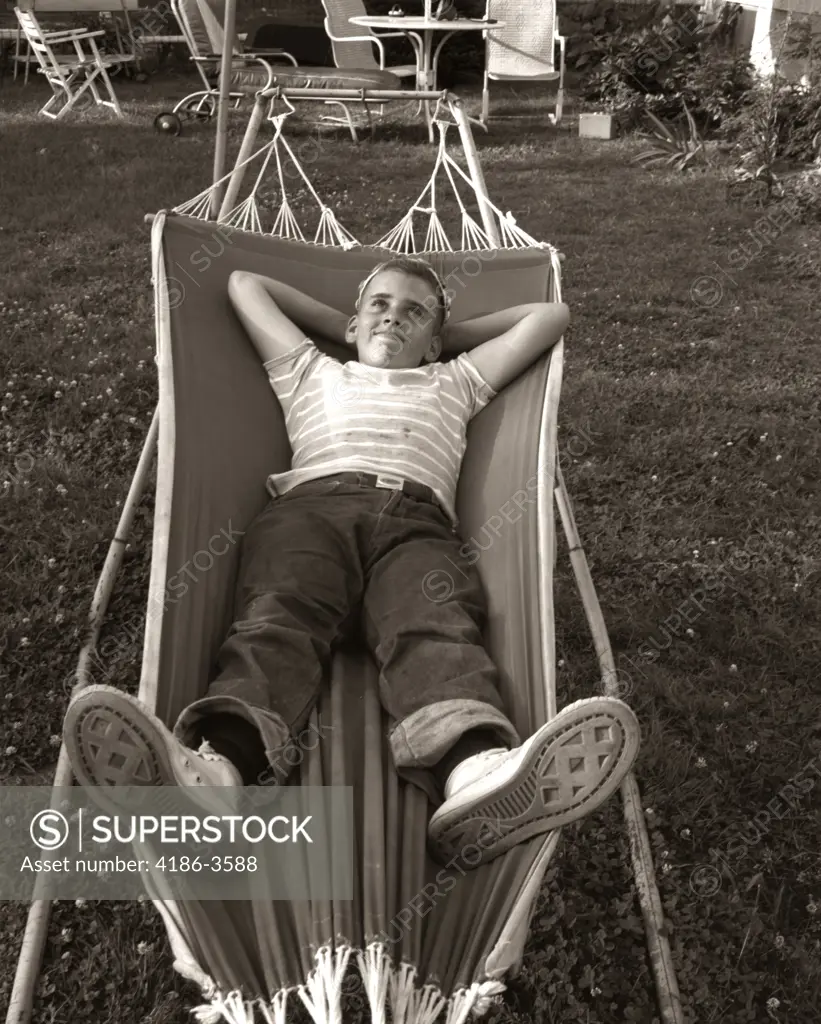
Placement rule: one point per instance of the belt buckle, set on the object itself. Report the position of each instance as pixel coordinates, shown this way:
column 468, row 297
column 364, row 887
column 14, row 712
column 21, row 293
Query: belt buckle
column 389, row 483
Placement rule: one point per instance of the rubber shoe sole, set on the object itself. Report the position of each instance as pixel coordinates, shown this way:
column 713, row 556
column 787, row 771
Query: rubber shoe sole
column 568, row 769
column 112, row 740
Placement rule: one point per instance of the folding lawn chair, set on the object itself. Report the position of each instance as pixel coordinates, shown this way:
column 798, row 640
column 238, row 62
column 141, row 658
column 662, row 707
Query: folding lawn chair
column 110, row 10
column 71, row 77
column 221, row 432
column 524, row 49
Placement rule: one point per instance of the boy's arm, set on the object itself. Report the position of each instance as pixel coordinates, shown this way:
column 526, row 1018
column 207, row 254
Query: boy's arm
column 502, row 345
column 277, row 317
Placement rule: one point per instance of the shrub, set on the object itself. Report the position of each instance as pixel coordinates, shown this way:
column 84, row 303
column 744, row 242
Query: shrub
column 779, row 123
column 678, row 59
column 804, row 190
column 714, row 85
column 778, row 130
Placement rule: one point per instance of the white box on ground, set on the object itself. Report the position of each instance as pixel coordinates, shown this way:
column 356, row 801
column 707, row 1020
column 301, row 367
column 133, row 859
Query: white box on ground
column 597, row 126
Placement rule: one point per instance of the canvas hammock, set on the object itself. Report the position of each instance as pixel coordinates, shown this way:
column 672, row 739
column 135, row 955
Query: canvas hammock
column 220, row 432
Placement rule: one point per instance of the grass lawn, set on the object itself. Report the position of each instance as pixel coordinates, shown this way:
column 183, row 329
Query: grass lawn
column 695, row 490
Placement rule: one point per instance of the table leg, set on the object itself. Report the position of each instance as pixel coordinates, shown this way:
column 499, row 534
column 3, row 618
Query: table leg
column 418, row 56
column 438, row 50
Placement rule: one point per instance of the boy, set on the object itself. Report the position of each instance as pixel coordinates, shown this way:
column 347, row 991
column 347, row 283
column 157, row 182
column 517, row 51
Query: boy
column 362, row 519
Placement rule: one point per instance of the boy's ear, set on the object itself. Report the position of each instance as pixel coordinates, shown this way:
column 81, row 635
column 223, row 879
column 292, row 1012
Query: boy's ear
column 435, row 349
column 350, row 331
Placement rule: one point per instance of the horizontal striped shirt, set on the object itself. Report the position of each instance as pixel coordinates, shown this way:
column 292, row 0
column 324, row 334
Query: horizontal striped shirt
column 344, row 417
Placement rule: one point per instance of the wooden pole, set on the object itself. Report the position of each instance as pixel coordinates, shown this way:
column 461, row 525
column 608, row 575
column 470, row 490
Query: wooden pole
column 476, row 174
column 235, row 181
column 229, row 34
column 661, row 960
column 30, row 960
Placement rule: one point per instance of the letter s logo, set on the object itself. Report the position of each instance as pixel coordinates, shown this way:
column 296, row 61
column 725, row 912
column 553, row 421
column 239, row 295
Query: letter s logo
column 647, row 64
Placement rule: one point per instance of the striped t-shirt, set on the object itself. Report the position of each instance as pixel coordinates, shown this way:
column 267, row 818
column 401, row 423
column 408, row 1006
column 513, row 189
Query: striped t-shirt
column 344, row 417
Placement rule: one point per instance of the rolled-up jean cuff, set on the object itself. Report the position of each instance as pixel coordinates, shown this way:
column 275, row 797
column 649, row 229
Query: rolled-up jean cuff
column 273, row 730
column 423, row 738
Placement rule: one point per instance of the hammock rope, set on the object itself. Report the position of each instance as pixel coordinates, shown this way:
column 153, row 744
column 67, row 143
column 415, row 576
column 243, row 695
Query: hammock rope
column 322, row 991
column 246, row 215
column 411, row 1004
column 402, row 238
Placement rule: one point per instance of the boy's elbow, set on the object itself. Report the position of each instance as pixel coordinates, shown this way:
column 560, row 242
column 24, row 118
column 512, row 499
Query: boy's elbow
column 239, row 282
column 237, row 278
column 556, row 317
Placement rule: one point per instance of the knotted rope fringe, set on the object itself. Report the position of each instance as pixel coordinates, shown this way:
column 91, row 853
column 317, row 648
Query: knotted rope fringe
column 276, row 1013
column 230, row 1008
column 412, row 1005
column 376, row 970
column 322, row 991
column 400, row 239
column 476, row 1000
column 246, row 215
column 322, row 994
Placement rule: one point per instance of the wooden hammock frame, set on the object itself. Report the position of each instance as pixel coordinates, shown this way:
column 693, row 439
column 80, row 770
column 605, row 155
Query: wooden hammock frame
column 34, row 939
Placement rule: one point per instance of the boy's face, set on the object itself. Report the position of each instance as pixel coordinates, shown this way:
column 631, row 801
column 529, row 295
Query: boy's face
column 395, row 327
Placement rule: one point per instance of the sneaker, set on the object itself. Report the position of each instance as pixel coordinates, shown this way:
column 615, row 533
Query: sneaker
column 567, row 769
column 113, row 740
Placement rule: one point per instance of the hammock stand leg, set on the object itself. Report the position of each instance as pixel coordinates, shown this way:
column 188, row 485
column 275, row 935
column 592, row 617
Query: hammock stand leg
column 32, row 948
column 222, row 102
column 476, row 173
column 641, row 853
column 248, row 140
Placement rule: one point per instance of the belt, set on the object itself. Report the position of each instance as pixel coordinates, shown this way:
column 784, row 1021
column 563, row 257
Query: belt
column 421, row 492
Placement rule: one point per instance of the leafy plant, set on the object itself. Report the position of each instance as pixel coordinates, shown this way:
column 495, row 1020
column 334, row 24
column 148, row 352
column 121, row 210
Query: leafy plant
column 676, row 145
column 714, row 84
column 778, row 130
column 678, row 59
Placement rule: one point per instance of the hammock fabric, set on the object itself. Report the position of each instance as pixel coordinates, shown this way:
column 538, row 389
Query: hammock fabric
column 420, row 951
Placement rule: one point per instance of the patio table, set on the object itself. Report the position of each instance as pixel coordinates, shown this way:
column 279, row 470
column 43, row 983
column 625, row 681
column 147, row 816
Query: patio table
column 423, row 31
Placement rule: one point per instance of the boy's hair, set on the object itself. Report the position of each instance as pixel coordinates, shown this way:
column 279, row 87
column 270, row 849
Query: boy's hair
column 414, row 268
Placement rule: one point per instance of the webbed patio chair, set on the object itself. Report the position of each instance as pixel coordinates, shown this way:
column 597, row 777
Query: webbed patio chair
column 74, row 76
column 524, row 48
column 353, row 46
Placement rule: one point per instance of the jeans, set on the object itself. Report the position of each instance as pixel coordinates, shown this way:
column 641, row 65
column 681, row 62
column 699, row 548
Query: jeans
column 332, row 560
